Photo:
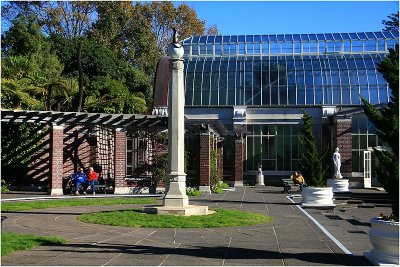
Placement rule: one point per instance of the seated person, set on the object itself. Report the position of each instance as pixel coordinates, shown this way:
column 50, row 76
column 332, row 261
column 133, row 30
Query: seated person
column 298, row 179
column 93, row 179
column 79, row 178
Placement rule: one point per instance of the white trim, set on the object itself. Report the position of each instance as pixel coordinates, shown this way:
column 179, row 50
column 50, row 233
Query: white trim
column 337, row 242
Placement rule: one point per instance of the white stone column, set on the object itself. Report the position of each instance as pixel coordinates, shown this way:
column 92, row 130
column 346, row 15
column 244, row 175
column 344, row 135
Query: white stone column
column 176, row 201
column 176, row 191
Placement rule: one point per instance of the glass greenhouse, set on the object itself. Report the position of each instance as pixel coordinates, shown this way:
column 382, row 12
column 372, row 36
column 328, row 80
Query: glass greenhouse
column 270, row 79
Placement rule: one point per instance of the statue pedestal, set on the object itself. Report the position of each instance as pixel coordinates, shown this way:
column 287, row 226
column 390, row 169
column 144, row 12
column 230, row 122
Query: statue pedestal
column 260, row 179
column 338, row 185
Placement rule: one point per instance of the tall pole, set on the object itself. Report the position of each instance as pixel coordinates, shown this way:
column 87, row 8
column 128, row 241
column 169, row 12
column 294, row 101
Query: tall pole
column 176, row 194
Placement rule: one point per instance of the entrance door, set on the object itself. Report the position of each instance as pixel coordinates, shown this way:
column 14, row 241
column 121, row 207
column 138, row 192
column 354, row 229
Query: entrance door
column 367, row 169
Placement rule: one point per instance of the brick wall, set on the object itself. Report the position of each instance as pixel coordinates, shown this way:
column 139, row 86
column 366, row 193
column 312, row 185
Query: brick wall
column 342, row 139
column 80, row 144
column 238, row 159
column 56, row 156
column 39, row 169
column 120, row 157
column 204, row 159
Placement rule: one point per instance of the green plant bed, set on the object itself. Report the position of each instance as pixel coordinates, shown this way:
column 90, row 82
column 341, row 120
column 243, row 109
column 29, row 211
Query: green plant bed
column 135, row 218
column 58, row 203
column 11, row 242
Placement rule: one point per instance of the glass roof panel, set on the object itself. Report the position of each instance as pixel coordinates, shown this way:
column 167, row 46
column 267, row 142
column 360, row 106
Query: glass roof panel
column 210, row 39
column 296, row 37
column 395, row 34
column 379, row 35
column 288, row 38
column 353, row 35
column 280, row 38
column 272, row 38
column 370, row 35
column 312, row 37
column 329, row 36
column 226, row 39
column 203, row 39
column 362, row 35
column 345, row 36
column 218, row 39
column 234, row 39
column 249, row 38
column 241, row 38
column 304, row 37
column 387, row 34
column 257, row 38
column 320, row 37
column 337, row 37
column 195, row 39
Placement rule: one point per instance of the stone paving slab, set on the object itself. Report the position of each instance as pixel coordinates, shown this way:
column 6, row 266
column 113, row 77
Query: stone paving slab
column 291, row 238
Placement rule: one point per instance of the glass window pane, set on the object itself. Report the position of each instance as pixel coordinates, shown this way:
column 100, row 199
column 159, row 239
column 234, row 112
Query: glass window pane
column 356, row 162
column 275, row 48
column 346, row 95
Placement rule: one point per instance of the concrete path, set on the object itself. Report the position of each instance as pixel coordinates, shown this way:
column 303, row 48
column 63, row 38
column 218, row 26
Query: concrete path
column 295, row 237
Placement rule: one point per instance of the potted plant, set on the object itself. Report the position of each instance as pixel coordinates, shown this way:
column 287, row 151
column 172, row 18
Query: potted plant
column 315, row 195
column 384, row 232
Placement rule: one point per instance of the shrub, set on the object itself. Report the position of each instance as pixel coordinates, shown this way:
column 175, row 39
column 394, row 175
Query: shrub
column 215, row 176
column 386, row 121
column 191, row 191
column 311, row 159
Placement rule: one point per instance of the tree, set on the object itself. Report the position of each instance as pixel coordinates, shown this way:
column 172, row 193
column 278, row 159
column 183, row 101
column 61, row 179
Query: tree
column 163, row 16
column 112, row 96
column 23, row 38
column 126, row 31
column 67, row 18
column 393, row 23
column 213, row 30
column 386, row 120
column 311, row 163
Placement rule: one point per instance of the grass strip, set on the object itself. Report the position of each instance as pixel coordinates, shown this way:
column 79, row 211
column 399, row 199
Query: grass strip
column 11, row 242
column 135, row 218
column 58, row 203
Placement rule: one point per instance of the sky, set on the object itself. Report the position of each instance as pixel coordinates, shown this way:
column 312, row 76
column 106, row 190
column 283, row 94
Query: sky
column 273, row 17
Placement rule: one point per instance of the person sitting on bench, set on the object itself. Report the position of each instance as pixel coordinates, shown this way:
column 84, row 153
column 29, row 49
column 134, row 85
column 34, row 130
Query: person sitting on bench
column 79, row 178
column 93, row 179
column 298, row 179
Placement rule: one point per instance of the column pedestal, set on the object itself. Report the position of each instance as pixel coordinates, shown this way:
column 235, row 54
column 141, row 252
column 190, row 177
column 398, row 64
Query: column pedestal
column 338, row 185
column 260, row 179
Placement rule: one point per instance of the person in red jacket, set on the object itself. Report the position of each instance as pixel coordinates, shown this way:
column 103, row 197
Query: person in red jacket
column 93, row 179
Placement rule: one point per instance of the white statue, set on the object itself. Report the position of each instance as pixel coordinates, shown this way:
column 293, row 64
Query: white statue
column 260, row 169
column 336, row 163
column 260, row 176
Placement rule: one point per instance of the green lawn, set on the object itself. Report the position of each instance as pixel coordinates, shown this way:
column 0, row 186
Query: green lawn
column 56, row 203
column 135, row 218
column 11, row 242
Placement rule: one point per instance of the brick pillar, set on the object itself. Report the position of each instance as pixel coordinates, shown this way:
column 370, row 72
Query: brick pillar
column 121, row 186
column 238, row 161
column 342, row 139
column 204, row 162
column 56, row 159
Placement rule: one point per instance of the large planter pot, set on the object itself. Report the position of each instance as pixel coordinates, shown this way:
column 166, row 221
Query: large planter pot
column 384, row 237
column 317, row 197
column 338, row 185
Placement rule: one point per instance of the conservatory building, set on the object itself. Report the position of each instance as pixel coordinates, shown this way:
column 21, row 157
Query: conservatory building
column 246, row 95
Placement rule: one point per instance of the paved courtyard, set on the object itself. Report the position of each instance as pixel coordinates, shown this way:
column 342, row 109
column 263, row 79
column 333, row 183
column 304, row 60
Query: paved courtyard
column 295, row 237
